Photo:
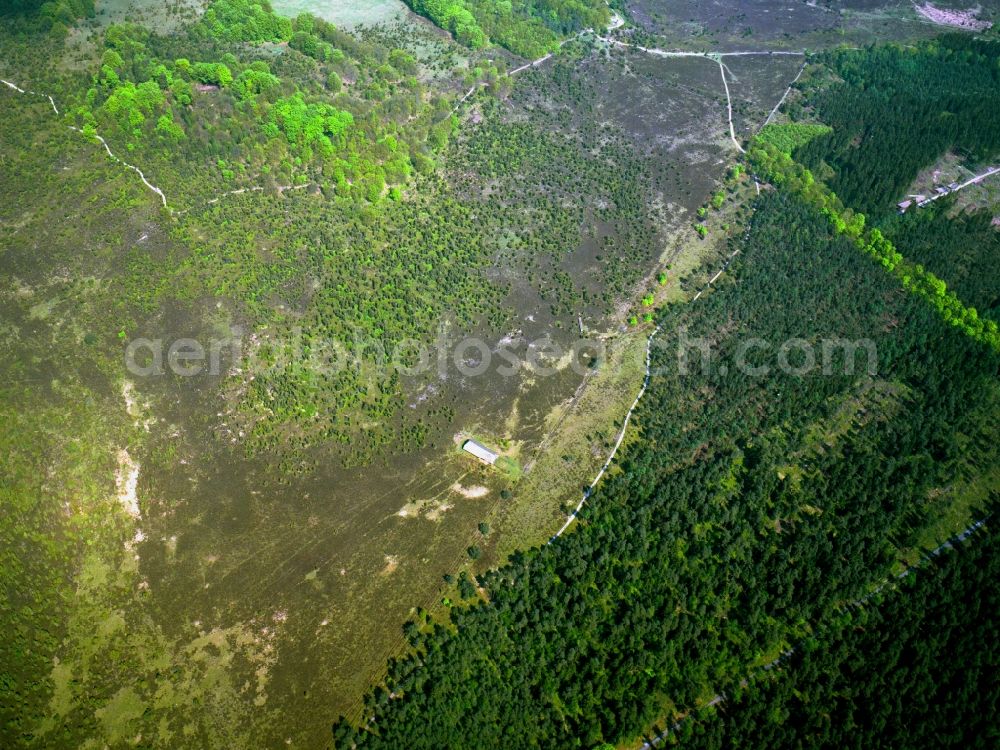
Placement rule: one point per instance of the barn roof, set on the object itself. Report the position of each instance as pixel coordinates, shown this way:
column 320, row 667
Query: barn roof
column 480, row 451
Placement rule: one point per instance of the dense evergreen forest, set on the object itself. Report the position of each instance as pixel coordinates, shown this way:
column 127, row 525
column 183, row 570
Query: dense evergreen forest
column 528, row 28
column 962, row 249
column 893, row 110
column 918, row 667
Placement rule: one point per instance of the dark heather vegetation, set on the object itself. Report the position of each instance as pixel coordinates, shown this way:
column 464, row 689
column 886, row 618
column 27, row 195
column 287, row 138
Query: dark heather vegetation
column 528, row 28
column 895, row 109
column 748, row 510
column 916, row 667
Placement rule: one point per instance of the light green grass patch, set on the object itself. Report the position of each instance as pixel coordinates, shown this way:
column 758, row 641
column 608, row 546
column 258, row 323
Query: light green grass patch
column 343, row 12
column 787, row 137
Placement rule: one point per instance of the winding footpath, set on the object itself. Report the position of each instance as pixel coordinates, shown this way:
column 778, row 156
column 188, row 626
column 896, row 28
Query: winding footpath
column 146, row 182
column 783, row 97
column 729, row 108
column 715, row 57
column 635, row 404
column 125, row 164
column 18, row 89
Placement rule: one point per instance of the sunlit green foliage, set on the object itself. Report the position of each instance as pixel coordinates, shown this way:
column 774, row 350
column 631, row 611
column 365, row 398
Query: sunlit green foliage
column 527, row 28
column 253, row 82
column 130, row 105
column 151, row 92
column 246, row 21
column 216, row 74
column 309, row 127
column 787, row 137
column 453, row 16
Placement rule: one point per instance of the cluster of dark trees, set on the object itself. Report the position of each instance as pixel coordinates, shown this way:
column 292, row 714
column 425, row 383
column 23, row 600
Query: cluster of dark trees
column 918, row 668
column 897, row 109
column 961, row 248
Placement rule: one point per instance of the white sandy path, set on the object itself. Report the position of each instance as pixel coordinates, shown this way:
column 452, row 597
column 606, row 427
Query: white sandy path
column 22, row 91
column 125, row 164
column 628, row 416
column 718, row 58
column 127, row 483
column 784, row 96
column 104, row 143
column 729, row 109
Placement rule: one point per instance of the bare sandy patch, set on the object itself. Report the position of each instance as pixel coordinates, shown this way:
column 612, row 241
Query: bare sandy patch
column 391, row 563
column 438, row 511
column 410, row 510
column 127, row 483
column 472, row 493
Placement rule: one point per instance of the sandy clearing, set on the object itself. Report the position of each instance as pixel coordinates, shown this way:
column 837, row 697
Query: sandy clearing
column 472, row 493
column 127, row 483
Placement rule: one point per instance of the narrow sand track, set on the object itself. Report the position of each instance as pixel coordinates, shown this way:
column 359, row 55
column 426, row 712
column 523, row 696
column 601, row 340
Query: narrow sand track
column 146, row 182
column 784, row 96
column 635, row 404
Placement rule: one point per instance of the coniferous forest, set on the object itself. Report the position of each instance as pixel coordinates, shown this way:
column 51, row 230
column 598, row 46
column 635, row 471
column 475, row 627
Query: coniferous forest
column 737, row 523
column 908, row 668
